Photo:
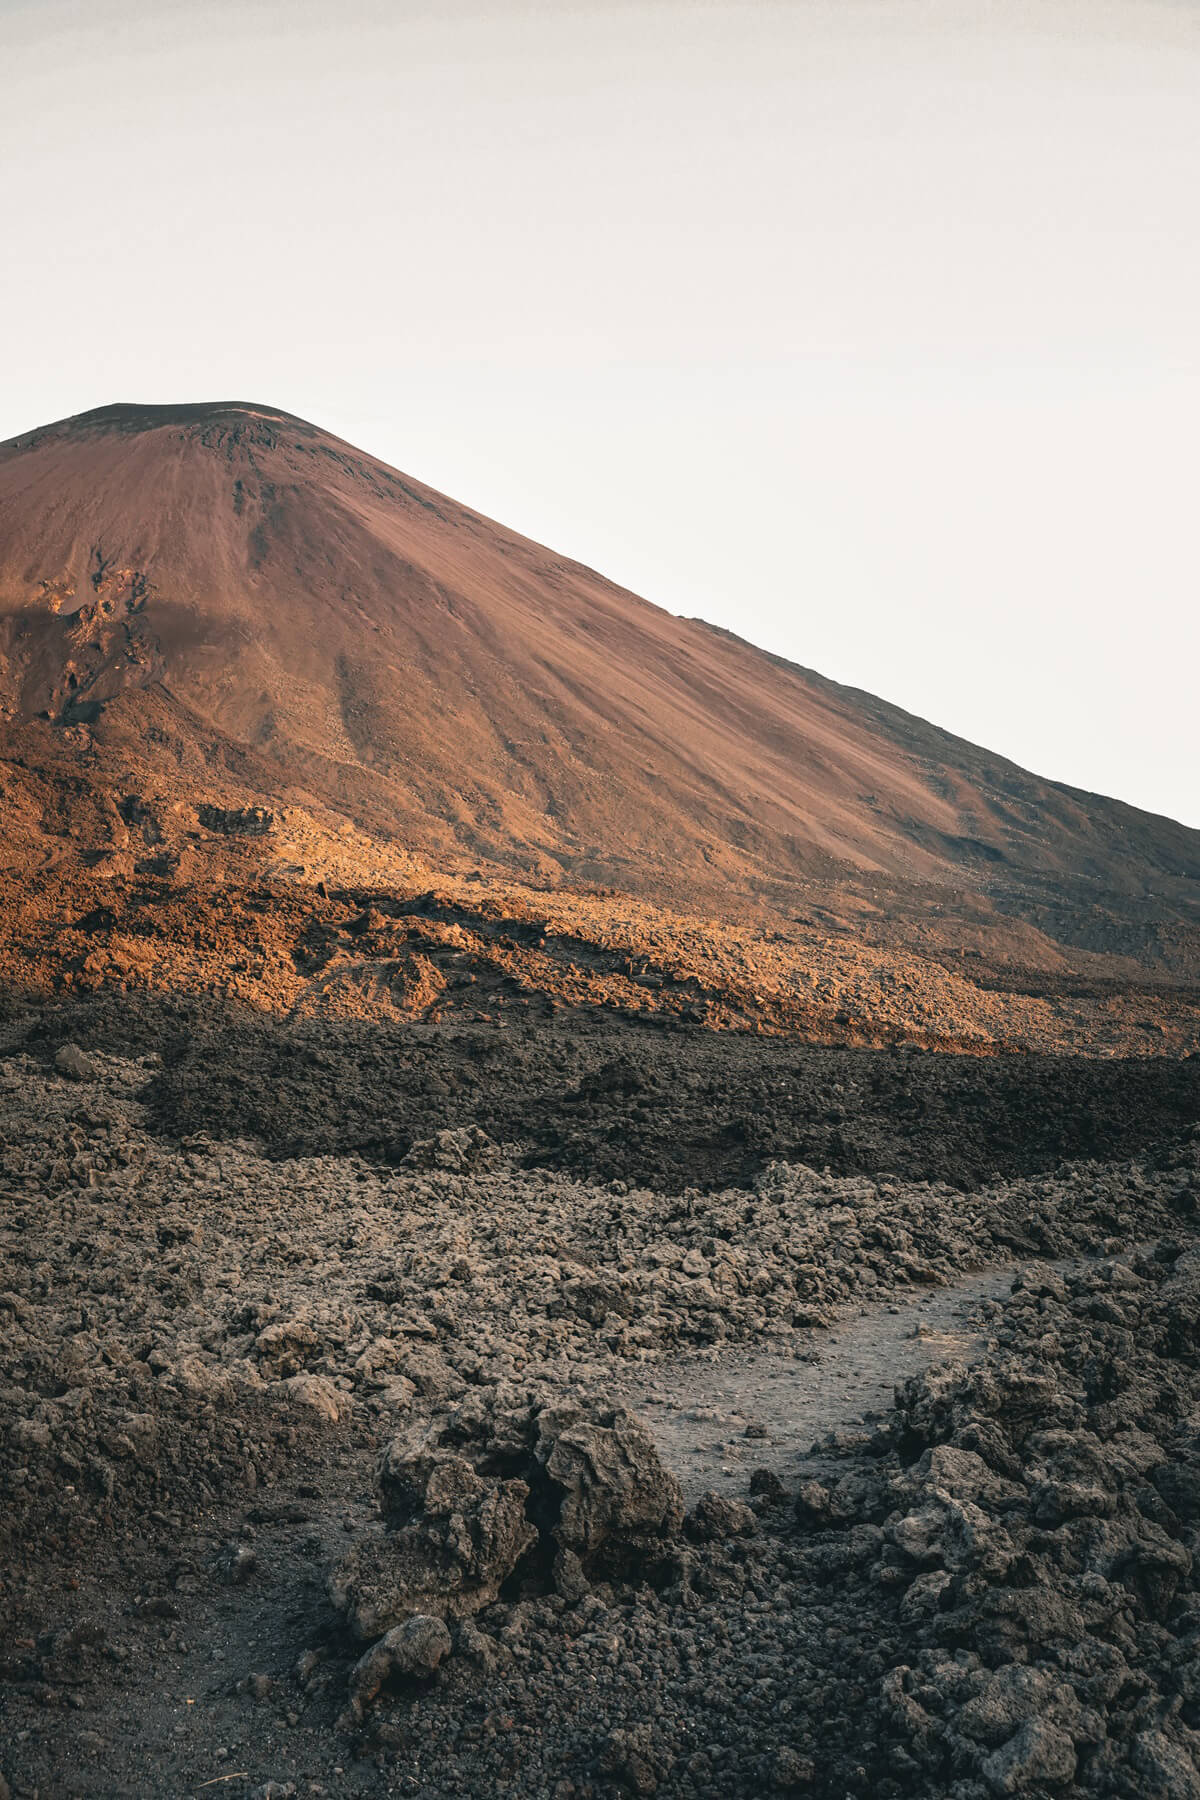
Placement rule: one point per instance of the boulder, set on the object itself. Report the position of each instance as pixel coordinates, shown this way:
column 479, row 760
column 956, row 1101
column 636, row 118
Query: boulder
column 457, row 1150
column 1040, row 1755
column 606, row 1476
column 1167, row 1767
column 714, row 1517
column 465, row 1500
column 317, row 1395
column 463, row 1535
column 1012, row 1696
column 286, row 1347
column 77, row 1064
column 413, row 1649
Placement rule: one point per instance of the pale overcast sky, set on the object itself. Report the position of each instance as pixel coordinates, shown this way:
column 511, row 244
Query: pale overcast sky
column 866, row 329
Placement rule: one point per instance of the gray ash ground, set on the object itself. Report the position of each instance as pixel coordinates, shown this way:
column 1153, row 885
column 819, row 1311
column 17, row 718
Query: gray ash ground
column 263, row 1399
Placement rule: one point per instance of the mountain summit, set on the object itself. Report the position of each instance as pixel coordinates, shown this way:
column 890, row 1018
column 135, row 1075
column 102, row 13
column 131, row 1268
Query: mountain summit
column 227, row 606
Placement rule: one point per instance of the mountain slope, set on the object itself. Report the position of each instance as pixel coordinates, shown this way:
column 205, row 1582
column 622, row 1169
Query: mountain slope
column 223, row 604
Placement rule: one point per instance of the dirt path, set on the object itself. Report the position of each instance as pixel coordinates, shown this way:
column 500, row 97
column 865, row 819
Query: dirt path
column 715, row 1419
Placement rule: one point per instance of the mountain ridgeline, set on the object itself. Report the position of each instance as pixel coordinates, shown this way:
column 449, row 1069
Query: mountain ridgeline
column 222, row 606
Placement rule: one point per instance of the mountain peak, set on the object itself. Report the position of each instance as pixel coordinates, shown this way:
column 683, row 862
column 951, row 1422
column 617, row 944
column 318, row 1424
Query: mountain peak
column 123, row 417
column 224, row 587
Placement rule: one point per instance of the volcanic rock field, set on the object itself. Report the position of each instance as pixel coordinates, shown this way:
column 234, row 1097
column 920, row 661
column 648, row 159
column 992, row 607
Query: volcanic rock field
column 512, row 1459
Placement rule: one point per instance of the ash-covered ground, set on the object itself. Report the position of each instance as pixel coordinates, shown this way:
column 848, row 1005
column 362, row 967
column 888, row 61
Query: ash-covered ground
column 434, row 1414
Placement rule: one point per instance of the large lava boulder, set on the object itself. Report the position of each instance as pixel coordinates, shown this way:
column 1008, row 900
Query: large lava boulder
column 528, row 1491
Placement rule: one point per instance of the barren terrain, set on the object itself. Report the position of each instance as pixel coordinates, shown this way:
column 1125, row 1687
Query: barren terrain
column 583, row 1212
column 240, row 1356
column 219, row 622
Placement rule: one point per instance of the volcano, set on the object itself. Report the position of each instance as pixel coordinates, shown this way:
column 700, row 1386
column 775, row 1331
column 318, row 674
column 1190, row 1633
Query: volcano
column 447, row 1003
column 226, row 610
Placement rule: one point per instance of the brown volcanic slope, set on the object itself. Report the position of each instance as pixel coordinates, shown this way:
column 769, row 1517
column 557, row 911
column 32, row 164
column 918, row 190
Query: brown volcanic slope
column 224, row 605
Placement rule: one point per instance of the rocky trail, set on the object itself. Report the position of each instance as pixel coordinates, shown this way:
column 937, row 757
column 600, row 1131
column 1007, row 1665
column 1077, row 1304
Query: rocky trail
column 217, row 1623
column 448, row 1474
column 716, row 1418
